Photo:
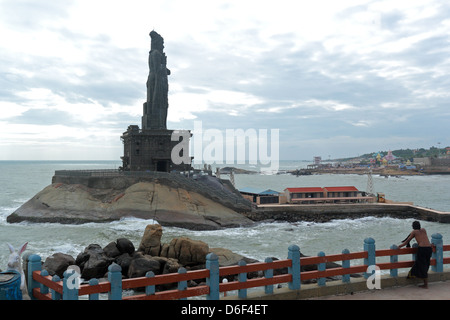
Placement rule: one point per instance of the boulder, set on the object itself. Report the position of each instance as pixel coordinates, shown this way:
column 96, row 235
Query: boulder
column 151, row 240
column 188, row 252
column 230, row 258
column 111, row 250
column 125, row 246
column 171, row 266
column 164, row 250
column 141, row 265
column 93, row 262
column 58, row 263
column 124, row 261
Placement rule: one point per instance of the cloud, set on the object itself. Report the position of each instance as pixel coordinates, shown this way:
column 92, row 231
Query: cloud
column 334, row 73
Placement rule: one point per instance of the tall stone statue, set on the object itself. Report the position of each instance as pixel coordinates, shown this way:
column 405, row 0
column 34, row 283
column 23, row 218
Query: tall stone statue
column 155, row 109
column 154, row 147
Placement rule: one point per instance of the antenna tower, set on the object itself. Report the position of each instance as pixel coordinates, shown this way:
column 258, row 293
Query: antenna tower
column 370, row 189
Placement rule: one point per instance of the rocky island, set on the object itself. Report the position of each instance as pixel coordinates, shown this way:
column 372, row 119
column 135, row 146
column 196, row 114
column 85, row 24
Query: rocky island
column 199, row 203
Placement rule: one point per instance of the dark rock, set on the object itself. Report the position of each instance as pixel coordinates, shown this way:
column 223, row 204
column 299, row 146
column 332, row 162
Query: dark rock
column 140, row 266
column 93, row 262
column 124, row 261
column 125, row 246
column 111, row 250
column 58, row 263
column 168, row 265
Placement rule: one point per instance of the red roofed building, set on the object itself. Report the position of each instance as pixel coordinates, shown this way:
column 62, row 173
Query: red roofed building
column 299, row 194
column 333, row 192
column 315, row 195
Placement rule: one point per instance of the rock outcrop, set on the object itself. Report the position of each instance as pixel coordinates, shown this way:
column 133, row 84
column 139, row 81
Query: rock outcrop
column 180, row 252
column 151, row 240
column 93, row 262
column 58, row 263
column 151, row 255
column 187, row 251
column 171, row 200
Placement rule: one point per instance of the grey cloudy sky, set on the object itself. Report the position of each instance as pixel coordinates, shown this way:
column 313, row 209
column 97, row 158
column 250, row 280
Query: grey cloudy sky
column 338, row 78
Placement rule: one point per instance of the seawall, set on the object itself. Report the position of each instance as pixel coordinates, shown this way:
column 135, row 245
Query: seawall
column 327, row 212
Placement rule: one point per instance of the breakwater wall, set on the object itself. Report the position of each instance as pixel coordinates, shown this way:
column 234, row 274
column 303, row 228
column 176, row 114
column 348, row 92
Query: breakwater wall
column 327, row 212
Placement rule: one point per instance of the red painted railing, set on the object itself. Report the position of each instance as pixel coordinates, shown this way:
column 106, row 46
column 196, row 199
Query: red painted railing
column 57, row 288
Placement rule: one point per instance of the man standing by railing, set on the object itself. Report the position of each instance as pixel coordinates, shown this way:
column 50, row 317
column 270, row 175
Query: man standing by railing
column 424, row 251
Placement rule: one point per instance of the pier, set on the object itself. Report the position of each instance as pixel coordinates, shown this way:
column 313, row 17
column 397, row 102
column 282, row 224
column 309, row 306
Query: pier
column 327, row 212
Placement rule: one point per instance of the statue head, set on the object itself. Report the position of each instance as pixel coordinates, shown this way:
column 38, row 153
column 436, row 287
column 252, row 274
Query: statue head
column 157, row 41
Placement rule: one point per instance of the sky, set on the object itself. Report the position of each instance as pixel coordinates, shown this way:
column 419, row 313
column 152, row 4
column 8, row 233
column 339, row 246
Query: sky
column 337, row 78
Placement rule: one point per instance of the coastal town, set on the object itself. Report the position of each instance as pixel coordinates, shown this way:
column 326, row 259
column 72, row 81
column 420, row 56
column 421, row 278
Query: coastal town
column 390, row 163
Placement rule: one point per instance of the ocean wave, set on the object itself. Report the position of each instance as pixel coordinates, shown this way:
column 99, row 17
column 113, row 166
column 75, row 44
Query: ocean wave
column 131, row 223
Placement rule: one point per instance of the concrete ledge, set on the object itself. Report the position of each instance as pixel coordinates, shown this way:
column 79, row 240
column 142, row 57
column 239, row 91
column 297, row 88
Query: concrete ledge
column 338, row 288
column 327, row 212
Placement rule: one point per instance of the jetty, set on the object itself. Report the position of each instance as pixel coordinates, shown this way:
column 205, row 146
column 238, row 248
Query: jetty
column 327, row 212
column 319, row 204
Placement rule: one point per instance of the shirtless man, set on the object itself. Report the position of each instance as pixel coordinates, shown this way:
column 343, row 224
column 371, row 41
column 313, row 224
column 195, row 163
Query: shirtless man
column 422, row 263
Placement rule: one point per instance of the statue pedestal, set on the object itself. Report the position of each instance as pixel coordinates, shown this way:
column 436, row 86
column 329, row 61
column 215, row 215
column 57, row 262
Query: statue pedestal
column 150, row 150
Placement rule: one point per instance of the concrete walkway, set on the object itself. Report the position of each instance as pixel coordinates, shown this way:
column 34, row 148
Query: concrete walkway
column 392, row 288
column 435, row 291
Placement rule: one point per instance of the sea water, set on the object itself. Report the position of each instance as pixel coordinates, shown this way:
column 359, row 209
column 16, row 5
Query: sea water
column 21, row 180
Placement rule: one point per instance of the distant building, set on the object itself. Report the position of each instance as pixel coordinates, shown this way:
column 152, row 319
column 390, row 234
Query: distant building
column 317, row 195
column 422, row 161
column 389, row 157
column 301, row 194
column 258, row 196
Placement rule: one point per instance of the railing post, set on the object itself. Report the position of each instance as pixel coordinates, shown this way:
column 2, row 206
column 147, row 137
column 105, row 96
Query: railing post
column 34, row 264
column 436, row 239
column 414, row 254
column 268, row 274
column 182, row 285
column 321, row 267
column 294, row 270
column 70, row 286
column 213, row 281
column 115, row 279
column 242, row 277
column 56, row 295
column 150, row 290
column 43, row 287
column 94, row 296
column 369, row 246
column 393, row 259
column 346, row 264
